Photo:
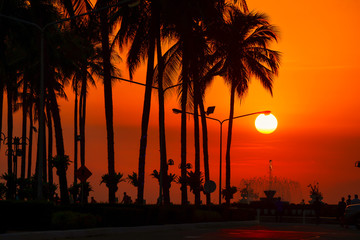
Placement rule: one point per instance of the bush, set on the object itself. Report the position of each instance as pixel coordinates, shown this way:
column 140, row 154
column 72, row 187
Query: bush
column 206, row 216
column 72, row 220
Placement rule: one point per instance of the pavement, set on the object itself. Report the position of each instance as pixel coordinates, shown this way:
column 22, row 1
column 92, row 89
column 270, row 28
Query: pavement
column 206, row 231
column 105, row 232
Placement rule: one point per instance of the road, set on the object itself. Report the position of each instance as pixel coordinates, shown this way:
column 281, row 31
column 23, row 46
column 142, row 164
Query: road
column 202, row 231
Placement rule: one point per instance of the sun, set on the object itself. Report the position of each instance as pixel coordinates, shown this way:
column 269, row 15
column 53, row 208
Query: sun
column 266, row 124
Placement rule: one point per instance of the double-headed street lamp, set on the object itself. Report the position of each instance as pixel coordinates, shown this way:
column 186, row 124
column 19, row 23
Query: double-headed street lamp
column 211, row 110
column 160, row 91
column 13, row 154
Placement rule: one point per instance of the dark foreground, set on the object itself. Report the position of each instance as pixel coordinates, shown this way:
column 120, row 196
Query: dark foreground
column 249, row 230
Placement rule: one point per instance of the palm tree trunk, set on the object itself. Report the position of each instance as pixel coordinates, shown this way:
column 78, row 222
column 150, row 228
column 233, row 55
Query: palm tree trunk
column 1, row 104
column 197, row 147
column 24, row 125
column 184, row 198
column 31, row 125
column 75, row 134
column 163, row 158
column 108, row 100
column 145, row 123
column 10, row 194
column 205, row 148
column 64, row 195
column 44, row 157
column 146, row 114
column 50, row 147
column 228, row 144
column 82, row 112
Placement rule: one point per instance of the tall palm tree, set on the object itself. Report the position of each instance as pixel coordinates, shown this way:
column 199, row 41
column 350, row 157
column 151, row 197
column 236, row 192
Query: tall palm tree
column 57, row 72
column 189, row 18
column 139, row 26
column 182, row 15
column 11, row 171
column 105, row 30
column 211, row 67
column 55, row 88
column 197, row 69
column 24, row 125
column 165, row 71
column 162, row 139
column 82, row 39
column 42, row 12
column 84, row 29
column 11, row 50
column 31, row 130
column 243, row 43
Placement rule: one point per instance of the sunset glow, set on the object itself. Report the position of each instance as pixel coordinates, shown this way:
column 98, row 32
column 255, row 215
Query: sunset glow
column 315, row 98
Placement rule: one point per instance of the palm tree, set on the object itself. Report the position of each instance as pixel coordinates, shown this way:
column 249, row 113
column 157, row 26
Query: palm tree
column 60, row 150
column 84, row 30
column 182, row 15
column 196, row 71
column 105, row 28
column 167, row 180
column 133, row 179
column 11, row 50
column 189, row 19
column 242, row 41
column 139, row 25
column 39, row 12
column 11, row 171
column 74, row 8
column 195, row 182
column 58, row 71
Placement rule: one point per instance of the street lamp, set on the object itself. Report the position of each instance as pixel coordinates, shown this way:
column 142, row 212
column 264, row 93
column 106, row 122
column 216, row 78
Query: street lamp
column 160, row 199
column 41, row 150
column 18, row 152
column 14, row 154
column 209, row 111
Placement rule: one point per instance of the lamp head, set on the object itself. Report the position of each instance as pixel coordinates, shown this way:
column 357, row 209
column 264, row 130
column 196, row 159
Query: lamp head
column 210, row 110
column 176, row 111
column 267, row 112
column 357, row 164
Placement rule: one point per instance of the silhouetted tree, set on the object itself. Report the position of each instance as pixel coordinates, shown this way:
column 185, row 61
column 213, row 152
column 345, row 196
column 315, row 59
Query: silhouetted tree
column 107, row 81
column 243, row 42
column 140, row 27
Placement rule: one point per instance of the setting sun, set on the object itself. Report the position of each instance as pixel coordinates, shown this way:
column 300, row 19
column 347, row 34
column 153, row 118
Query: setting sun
column 266, row 124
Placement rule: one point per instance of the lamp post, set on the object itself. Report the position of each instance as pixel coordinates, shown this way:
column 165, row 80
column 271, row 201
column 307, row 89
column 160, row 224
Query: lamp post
column 211, row 110
column 41, row 150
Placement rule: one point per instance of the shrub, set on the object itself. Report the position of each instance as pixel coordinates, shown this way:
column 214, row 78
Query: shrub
column 72, row 220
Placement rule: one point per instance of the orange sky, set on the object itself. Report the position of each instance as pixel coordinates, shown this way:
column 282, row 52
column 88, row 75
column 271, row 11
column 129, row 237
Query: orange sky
column 315, row 101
